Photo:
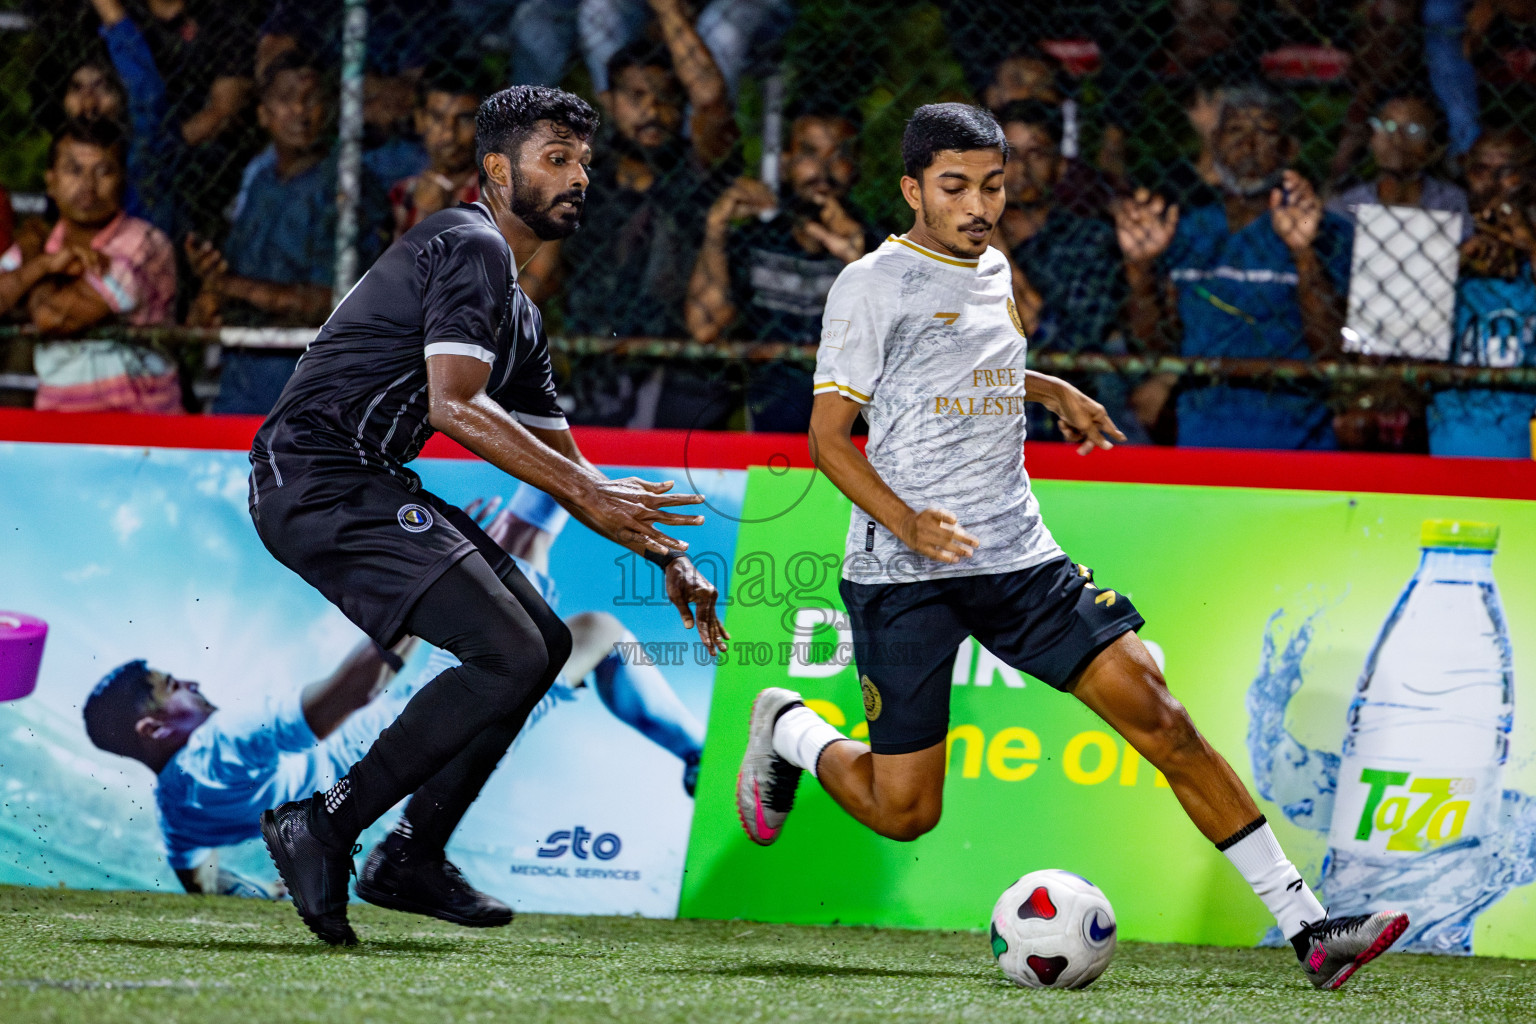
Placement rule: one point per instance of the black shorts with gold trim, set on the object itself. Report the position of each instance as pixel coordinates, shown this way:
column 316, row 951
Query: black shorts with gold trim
column 1048, row 620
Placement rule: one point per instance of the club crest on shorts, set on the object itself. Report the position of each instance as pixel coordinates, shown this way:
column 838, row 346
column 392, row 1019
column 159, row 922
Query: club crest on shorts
column 872, row 703
column 414, row 518
column 1013, row 314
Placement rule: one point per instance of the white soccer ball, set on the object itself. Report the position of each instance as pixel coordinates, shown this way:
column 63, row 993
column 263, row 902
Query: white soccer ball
column 1053, row 929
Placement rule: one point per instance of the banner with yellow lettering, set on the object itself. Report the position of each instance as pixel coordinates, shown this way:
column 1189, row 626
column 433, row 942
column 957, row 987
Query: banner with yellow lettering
column 1268, row 608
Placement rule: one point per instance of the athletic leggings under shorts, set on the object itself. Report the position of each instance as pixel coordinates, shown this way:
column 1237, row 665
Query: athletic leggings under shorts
column 1048, row 620
column 396, row 558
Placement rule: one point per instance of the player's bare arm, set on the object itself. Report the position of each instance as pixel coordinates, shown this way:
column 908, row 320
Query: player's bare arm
column 624, row 511
column 1084, row 422
column 934, row 532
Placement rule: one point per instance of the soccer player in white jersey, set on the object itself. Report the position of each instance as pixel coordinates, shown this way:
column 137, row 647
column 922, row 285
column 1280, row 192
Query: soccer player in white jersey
column 922, row 337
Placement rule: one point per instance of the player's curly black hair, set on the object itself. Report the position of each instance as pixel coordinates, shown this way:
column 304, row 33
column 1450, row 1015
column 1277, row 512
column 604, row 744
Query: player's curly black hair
column 939, row 126
column 506, row 119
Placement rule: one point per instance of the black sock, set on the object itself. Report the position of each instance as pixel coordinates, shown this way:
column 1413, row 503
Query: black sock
column 1302, row 941
column 334, row 813
column 402, row 843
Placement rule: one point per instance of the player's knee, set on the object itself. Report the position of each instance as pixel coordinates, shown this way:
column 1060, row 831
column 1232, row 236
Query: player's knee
column 911, row 821
column 504, row 671
column 506, row 684
column 906, row 827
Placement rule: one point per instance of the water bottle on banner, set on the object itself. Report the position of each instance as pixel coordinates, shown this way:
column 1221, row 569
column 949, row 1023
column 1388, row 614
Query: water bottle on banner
column 1420, row 783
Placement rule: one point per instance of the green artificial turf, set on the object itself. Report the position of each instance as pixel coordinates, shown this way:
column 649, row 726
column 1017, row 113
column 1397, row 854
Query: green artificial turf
column 145, row 958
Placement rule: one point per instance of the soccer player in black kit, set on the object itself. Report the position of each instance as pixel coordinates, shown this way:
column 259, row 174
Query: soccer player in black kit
column 438, row 336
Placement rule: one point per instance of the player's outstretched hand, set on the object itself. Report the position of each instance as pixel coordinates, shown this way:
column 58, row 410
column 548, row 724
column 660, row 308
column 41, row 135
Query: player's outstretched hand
column 695, row 597
column 626, row 510
column 937, row 534
column 1095, row 431
column 1083, row 421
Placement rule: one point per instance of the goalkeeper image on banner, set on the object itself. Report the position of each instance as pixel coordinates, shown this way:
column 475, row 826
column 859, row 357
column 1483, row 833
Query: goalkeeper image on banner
column 216, row 772
column 922, row 336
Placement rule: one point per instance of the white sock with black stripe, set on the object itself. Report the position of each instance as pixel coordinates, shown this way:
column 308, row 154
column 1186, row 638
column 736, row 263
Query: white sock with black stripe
column 1255, row 852
column 800, row 735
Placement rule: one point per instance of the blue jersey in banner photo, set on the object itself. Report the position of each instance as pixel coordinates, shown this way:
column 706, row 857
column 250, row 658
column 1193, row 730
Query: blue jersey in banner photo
column 240, row 763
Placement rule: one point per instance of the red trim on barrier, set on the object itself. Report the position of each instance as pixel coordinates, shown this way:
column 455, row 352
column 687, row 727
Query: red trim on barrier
column 1320, row 471
column 132, row 429
column 1311, row 471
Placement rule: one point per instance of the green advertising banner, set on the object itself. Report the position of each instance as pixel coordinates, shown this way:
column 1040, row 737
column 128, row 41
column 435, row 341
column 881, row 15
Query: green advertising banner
column 1264, row 606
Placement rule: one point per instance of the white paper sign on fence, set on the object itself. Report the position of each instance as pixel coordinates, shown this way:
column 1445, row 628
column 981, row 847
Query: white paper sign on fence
column 1402, row 285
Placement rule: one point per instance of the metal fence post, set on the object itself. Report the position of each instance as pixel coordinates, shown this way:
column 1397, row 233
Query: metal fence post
column 349, row 170
column 773, row 132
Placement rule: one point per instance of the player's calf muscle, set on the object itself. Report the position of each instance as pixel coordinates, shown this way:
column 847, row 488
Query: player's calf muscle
column 1171, row 742
column 1124, row 687
column 899, row 796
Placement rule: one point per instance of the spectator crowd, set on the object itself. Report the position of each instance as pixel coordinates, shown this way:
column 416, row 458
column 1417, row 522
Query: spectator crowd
column 1286, row 180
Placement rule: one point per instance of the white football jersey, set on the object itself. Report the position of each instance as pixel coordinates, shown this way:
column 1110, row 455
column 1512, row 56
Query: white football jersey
column 933, row 348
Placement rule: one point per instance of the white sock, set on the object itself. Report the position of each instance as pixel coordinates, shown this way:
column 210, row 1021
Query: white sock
column 1256, row 854
column 800, row 735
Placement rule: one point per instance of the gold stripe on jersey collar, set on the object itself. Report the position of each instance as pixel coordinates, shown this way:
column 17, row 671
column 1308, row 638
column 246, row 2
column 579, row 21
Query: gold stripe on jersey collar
column 903, row 240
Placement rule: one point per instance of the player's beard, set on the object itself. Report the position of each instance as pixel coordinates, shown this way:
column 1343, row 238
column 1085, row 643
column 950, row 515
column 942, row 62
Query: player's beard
column 540, row 212
column 936, row 229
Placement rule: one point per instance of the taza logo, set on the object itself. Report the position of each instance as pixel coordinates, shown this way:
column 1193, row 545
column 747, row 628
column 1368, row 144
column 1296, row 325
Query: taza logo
column 1435, row 821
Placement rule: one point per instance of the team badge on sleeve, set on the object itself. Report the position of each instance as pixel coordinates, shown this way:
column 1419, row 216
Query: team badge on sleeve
column 835, row 333
column 1013, row 314
column 414, row 518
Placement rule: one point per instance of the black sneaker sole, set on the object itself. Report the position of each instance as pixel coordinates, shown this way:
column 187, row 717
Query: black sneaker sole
column 324, row 929
column 389, row 901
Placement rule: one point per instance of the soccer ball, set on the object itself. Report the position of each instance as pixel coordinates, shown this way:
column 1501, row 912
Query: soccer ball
column 1053, row 929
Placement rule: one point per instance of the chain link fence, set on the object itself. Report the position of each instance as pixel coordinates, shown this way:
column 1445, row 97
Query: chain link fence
column 1287, row 224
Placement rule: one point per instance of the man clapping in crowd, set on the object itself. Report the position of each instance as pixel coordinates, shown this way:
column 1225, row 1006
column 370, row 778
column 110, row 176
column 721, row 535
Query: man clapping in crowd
column 771, row 277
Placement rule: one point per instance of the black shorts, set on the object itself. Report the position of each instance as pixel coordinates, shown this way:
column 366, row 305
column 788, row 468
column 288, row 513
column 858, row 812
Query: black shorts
column 371, row 542
column 1048, row 620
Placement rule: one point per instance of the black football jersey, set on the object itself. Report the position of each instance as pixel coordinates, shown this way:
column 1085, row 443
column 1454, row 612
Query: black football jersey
column 447, row 286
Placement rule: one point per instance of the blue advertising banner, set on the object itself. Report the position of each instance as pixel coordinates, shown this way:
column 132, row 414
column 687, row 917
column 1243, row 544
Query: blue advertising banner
column 149, row 553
